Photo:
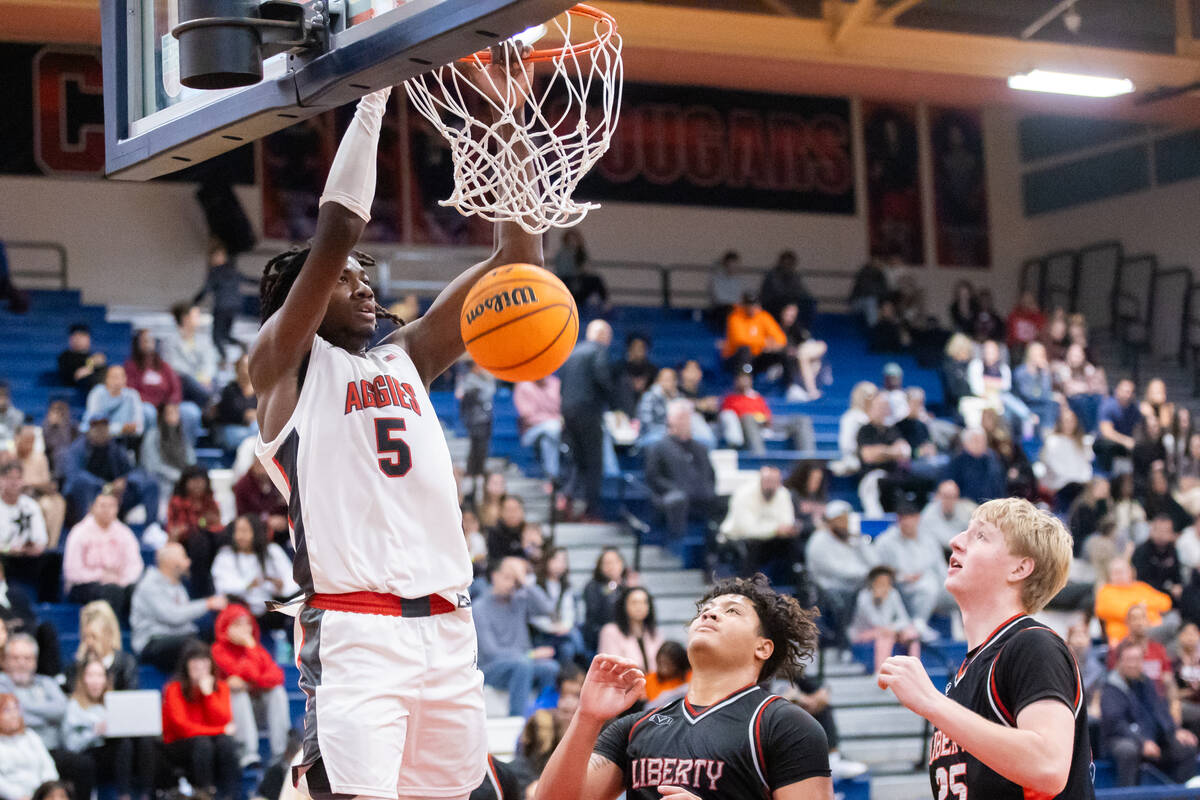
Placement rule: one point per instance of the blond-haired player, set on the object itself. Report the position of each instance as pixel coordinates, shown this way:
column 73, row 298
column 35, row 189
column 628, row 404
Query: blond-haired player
column 1011, row 723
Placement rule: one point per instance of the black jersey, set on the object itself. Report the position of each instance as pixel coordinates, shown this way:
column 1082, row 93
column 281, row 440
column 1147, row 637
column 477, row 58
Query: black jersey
column 1022, row 662
column 736, row 749
column 498, row 784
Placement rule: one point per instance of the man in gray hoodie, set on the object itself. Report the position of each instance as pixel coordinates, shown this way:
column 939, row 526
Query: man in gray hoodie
column 162, row 616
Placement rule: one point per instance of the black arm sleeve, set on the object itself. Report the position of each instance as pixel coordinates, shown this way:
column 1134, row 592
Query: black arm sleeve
column 793, row 745
column 1035, row 665
column 613, row 742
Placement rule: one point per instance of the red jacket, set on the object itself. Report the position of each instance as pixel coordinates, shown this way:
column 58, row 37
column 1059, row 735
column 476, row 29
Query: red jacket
column 156, row 385
column 204, row 716
column 193, row 515
column 254, row 665
column 743, row 404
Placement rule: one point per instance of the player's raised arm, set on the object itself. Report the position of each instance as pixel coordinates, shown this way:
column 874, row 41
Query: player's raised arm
column 574, row 772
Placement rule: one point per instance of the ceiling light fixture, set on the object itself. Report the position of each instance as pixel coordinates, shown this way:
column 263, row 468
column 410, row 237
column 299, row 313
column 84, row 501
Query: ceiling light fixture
column 1042, row 80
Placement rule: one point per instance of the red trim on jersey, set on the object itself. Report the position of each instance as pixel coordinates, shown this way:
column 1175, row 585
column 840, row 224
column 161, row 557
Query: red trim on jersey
column 762, row 710
column 963, row 667
column 642, row 719
column 491, row 768
column 384, row 604
column 996, row 696
column 692, row 710
column 282, row 472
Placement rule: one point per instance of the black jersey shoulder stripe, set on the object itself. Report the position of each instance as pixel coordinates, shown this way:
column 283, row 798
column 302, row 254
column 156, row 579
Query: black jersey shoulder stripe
column 691, row 716
column 754, row 731
column 994, row 696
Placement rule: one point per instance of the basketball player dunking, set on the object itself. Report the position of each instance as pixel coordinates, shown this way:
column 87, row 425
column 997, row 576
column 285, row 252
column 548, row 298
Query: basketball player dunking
column 1012, row 724
column 728, row 738
column 386, row 645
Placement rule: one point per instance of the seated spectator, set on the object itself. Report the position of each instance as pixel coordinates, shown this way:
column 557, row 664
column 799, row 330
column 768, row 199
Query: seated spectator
column 1082, row 384
column 1156, row 560
column 928, row 437
column 257, row 693
column 43, row 706
column 102, row 559
column 964, row 308
column 1136, row 726
column 487, row 504
column 114, row 401
column 22, row 526
column 1033, row 383
column 1131, row 515
column 808, row 484
column 1159, row 500
column 237, row 408
column 804, row 355
column 162, row 617
column 1025, row 324
column 58, row 433
column 725, row 289
column 850, row 423
column 889, row 334
column 869, row 290
column 746, row 420
column 652, row 407
column 671, row 675
column 25, row 763
column 678, row 473
column 539, row 738
column 1019, row 478
column 156, row 383
column 601, row 593
column 539, row 414
column 885, row 457
column 880, row 617
column 989, row 325
column 255, row 569
column 783, row 285
column 1087, row 510
column 1055, row 337
column 507, row 656
column 79, row 366
column 691, row 380
column 11, row 418
column 1067, row 459
column 504, row 538
column 1148, row 450
column 1092, row 670
column 95, row 461
column 977, row 470
column 633, row 375
column 838, row 561
column 100, row 636
column 1186, row 669
column 754, row 342
column 947, row 514
column 17, row 616
column 919, row 565
column 192, row 356
column 633, row 633
column 83, row 733
column 533, row 540
column 256, row 496
column 1123, row 591
column 956, row 384
column 39, row 483
column 1156, row 664
column 991, row 380
column 166, row 451
column 761, row 522
column 559, row 629
column 198, row 725
column 194, row 520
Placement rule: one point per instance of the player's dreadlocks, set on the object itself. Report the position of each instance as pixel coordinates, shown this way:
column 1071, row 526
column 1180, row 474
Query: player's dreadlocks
column 788, row 625
column 281, row 272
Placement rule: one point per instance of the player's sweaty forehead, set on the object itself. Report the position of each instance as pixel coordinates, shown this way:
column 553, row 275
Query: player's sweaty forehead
column 724, row 601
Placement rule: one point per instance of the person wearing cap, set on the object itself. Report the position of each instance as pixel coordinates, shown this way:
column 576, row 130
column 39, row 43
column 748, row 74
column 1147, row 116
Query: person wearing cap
column 838, row 559
column 94, row 461
column 754, row 341
column 919, row 564
column 893, row 387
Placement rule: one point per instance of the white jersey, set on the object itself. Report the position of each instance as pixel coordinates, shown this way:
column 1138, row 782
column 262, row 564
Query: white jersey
column 364, row 465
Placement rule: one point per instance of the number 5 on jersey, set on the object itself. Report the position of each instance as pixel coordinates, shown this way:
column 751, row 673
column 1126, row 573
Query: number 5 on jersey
column 395, row 456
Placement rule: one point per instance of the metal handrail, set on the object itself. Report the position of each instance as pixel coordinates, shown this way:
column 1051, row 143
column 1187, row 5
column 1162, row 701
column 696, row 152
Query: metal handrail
column 57, row 247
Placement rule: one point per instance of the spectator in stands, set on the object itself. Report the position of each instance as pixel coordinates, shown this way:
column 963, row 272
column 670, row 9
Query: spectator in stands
column 22, row 526
column 869, row 290
column 964, row 308
column 475, row 392
column 1033, row 383
column 893, row 387
column 506, row 654
column 255, row 683
column 156, row 383
column 1159, row 500
column 255, row 569
column 928, row 437
column 956, row 385
column 947, row 514
column 84, row 733
column 725, row 289
column 1123, row 591
column 1082, row 384
column 539, row 738
column 601, row 593
column 192, row 356
column 1019, row 478
column 808, row 484
column 79, row 365
column 838, row 560
column 504, row 538
column 1156, row 560
column 747, row 421
column 989, row 324
column 254, row 495
column 1131, row 515
column 652, row 407
column 991, row 380
column 100, row 636
column 198, row 725
column 884, row 455
column 889, row 334
column 1068, row 461
column 1154, row 404
column 977, row 470
column 571, row 253
column 1156, row 664
column 224, row 283
column 761, row 522
column 116, row 402
column 533, row 541
column 1055, row 337
column 39, row 483
column 881, row 618
column 237, row 408
column 587, row 390
column 634, row 374
column 166, row 450
column 539, row 414
column 754, row 342
column 58, row 432
column 11, row 418
column 102, row 559
column 25, row 764
column 560, row 628
column 487, row 506
column 671, row 675
column 1148, row 451
column 17, row 616
column 784, row 285
column 93, row 462
column 476, row 547
column 678, row 473
column 1136, row 725
column 804, row 356
column 1092, row 671
column 691, row 380
column 1186, row 669
column 920, row 567
column 194, row 519
column 162, row 617
column 1025, row 324
column 850, row 423
column 43, row 706
column 633, row 633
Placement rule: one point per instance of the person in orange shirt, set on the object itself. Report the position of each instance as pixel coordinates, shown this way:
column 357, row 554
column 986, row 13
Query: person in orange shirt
column 754, row 341
column 198, row 723
column 671, row 676
column 1123, row 591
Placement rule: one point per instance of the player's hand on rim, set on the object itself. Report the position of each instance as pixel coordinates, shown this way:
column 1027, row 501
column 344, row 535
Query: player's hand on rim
column 611, row 686
column 906, row 677
column 506, row 75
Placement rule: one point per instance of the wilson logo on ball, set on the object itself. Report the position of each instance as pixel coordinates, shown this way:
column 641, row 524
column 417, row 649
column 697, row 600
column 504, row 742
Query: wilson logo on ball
column 522, row 295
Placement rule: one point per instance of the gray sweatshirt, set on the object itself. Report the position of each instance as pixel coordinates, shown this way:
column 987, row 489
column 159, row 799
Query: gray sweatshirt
column 42, row 705
column 889, row 614
column 162, row 608
column 79, row 726
column 502, row 624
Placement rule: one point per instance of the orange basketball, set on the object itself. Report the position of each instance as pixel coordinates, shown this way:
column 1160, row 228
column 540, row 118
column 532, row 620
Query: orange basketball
column 519, row 322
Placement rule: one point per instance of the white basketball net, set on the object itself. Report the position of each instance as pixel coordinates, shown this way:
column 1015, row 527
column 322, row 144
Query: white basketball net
column 522, row 165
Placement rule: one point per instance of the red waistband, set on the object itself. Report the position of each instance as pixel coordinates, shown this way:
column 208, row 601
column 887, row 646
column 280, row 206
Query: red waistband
column 385, row 604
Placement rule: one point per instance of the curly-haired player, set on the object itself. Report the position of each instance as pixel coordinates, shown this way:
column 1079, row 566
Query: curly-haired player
column 349, row 436
column 728, row 738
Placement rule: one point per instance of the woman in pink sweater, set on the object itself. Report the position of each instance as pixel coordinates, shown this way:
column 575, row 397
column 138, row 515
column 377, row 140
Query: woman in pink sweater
column 633, row 634
column 102, row 559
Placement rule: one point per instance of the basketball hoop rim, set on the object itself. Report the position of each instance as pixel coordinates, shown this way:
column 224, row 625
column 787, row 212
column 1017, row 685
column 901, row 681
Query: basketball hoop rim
column 551, row 53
